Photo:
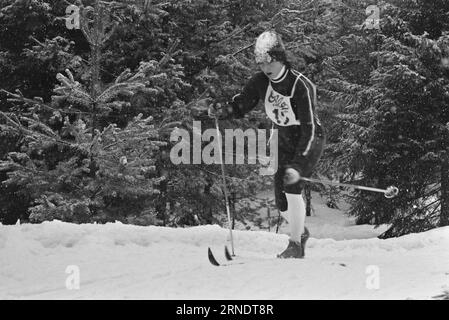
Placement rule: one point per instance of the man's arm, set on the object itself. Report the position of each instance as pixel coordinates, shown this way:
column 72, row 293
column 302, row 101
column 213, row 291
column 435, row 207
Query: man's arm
column 246, row 100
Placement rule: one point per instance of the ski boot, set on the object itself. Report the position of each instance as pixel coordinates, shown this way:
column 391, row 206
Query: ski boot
column 296, row 249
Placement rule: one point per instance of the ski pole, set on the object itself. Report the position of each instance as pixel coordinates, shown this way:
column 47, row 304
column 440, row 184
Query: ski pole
column 389, row 193
column 225, row 189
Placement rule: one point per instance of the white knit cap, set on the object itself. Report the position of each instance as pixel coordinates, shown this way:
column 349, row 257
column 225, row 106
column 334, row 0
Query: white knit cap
column 266, row 43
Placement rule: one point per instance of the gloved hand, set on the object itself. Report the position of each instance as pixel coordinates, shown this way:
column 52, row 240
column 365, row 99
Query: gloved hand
column 215, row 110
column 291, row 176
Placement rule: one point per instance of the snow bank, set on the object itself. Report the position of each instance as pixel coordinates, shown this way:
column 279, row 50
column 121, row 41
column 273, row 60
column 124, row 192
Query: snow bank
column 56, row 234
column 118, row 261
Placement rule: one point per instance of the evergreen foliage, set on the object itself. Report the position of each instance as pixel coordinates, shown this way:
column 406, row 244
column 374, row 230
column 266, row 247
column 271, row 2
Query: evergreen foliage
column 86, row 115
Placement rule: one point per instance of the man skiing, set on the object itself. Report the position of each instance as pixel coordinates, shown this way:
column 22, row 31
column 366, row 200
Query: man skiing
column 290, row 100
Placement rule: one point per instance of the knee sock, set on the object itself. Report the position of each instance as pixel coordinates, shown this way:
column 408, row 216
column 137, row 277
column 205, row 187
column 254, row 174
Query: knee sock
column 296, row 213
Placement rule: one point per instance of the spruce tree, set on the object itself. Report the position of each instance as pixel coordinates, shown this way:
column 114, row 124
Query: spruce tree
column 394, row 124
column 101, row 168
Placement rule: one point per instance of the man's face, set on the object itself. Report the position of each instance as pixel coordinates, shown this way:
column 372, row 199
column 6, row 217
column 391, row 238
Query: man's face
column 271, row 69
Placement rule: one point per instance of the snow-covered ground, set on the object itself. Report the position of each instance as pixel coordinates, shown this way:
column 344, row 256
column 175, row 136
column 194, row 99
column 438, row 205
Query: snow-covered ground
column 117, row 261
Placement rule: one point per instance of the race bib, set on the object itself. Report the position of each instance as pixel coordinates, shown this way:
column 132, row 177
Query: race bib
column 278, row 108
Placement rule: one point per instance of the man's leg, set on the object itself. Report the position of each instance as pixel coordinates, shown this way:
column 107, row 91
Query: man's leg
column 292, row 207
column 279, row 195
column 296, row 206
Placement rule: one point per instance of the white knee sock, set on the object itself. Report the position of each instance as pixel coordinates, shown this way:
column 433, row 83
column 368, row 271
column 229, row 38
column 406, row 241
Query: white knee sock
column 296, row 213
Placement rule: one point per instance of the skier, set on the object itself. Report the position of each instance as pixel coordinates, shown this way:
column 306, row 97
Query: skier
column 290, row 99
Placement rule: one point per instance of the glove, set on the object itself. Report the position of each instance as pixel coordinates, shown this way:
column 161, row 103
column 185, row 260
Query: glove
column 291, row 176
column 215, row 110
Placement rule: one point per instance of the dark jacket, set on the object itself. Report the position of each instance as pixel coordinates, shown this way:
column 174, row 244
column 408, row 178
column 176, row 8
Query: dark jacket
column 296, row 137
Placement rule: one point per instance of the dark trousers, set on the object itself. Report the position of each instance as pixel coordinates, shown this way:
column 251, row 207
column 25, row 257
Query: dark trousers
column 305, row 165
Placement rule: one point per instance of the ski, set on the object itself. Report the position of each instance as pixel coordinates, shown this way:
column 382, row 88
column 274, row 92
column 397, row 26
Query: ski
column 229, row 259
column 211, row 257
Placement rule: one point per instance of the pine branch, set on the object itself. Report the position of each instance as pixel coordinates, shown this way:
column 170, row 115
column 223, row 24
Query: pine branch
column 19, row 97
column 30, row 133
column 39, row 102
column 169, row 54
column 289, row 11
column 118, row 88
column 232, row 35
column 243, row 49
column 72, row 88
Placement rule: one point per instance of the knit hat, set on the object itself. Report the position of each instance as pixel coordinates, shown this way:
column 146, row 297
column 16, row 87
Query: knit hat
column 269, row 45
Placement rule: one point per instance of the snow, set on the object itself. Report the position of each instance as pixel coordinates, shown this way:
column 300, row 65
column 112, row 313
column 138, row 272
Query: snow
column 118, row 261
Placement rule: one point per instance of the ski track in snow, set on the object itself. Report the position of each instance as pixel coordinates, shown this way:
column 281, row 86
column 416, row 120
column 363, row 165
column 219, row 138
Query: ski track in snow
column 118, row 261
